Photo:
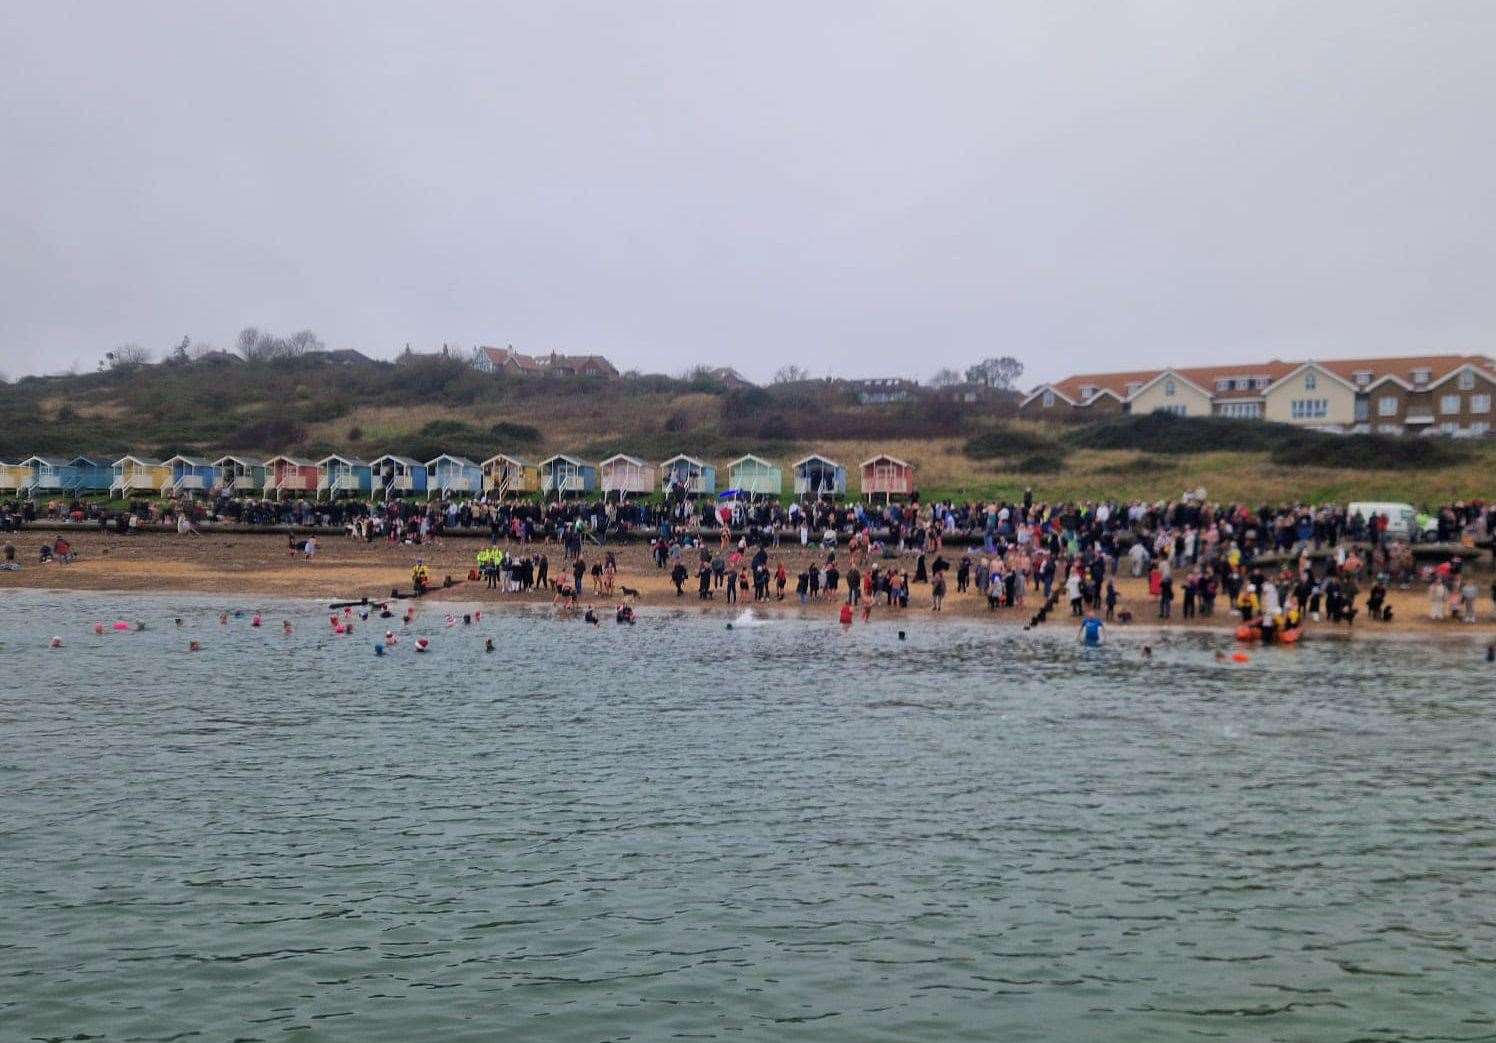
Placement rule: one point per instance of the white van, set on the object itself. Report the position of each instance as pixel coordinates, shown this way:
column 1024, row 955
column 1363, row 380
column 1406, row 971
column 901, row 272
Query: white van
column 1403, row 522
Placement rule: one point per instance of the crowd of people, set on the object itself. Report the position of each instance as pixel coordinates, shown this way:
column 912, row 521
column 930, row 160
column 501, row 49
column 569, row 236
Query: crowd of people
column 1276, row 565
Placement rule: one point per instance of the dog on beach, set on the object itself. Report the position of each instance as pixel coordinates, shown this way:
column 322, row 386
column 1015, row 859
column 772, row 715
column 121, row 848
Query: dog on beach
column 630, row 592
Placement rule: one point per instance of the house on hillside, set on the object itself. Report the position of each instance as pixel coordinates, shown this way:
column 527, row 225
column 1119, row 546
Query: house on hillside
column 398, row 476
column 1445, row 394
column 290, row 474
column 344, row 474
column 754, row 476
column 190, row 474
column 238, row 475
column 688, row 476
column 626, row 475
column 505, row 475
column 880, row 391
column 819, row 477
column 509, row 361
column 345, row 357
column 138, row 474
column 887, row 476
column 564, row 475
column 727, row 377
column 453, row 476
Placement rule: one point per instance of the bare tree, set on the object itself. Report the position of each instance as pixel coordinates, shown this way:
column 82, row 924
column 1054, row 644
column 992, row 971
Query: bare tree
column 999, row 372
column 791, row 374
column 945, row 378
column 256, row 345
column 127, row 356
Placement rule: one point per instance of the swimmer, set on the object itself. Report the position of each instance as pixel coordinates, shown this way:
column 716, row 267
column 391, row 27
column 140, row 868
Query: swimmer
column 99, row 629
column 488, row 644
column 379, row 649
column 902, row 635
column 590, row 616
column 255, row 620
column 1220, row 656
column 56, row 642
column 422, row 644
column 178, row 621
column 194, row 646
column 467, row 619
column 389, row 638
column 223, row 619
column 139, row 627
column 1147, row 651
column 286, row 627
column 364, row 616
column 1491, row 653
column 1092, row 630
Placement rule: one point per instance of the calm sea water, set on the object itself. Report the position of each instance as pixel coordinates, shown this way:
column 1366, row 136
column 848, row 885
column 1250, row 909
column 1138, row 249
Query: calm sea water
column 777, row 832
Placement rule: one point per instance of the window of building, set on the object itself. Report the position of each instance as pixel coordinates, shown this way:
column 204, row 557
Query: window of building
column 1242, row 410
column 1048, row 399
column 1387, row 405
column 1449, row 404
column 1480, row 403
column 1169, row 388
column 1311, row 380
column 1466, row 380
column 1420, row 376
column 1173, row 410
column 1363, row 377
column 1479, row 427
column 1132, row 387
column 1309, row 408
column 1087, row 391
column 1224, row 385
column 1260, row 382
column 1390, row 429
column 1363, row 408
column 1449, row 428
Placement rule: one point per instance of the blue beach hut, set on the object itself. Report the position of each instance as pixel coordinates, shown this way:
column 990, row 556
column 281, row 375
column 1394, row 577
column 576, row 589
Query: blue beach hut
column 688, row 475
column 817, row 476
column 566, row 475
column 343, row 474
column 398, row 476
column 449, row 475
column 190, row 475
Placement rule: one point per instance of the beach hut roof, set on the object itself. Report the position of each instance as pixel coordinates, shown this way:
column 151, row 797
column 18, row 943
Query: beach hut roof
column 144, row 461
column 682, row 456
column 883, row 456
column 46, row 461
column 750, row 458
column 561, row 456
column 294, row 461
column 190, row 461
column 815, row 458
column 460, row 461
column 397, row 458
column 497, row 457
column 90, row 461
column 355, row 461
column 235, row 458
column 626, row 458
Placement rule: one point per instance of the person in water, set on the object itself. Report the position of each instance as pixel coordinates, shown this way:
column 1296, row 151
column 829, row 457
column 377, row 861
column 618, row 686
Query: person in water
column 1092, row 629
column 590, row 616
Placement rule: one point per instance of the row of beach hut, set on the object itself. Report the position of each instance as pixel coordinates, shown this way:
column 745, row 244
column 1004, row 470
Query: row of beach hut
column 750, row 476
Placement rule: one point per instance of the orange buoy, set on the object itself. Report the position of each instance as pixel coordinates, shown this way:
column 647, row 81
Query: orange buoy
column 1239, row 657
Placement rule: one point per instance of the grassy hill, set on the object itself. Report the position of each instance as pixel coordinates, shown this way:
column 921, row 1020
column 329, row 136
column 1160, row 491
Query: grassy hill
column 312, row 405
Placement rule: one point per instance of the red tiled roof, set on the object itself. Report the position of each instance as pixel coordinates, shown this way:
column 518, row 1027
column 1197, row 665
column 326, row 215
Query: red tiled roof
column 1401, row 366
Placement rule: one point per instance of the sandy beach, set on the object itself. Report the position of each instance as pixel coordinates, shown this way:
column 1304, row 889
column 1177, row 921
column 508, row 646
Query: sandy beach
column 346, row 569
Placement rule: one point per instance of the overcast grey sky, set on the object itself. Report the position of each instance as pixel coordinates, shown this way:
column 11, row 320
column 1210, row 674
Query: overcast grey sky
column 863, row 188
